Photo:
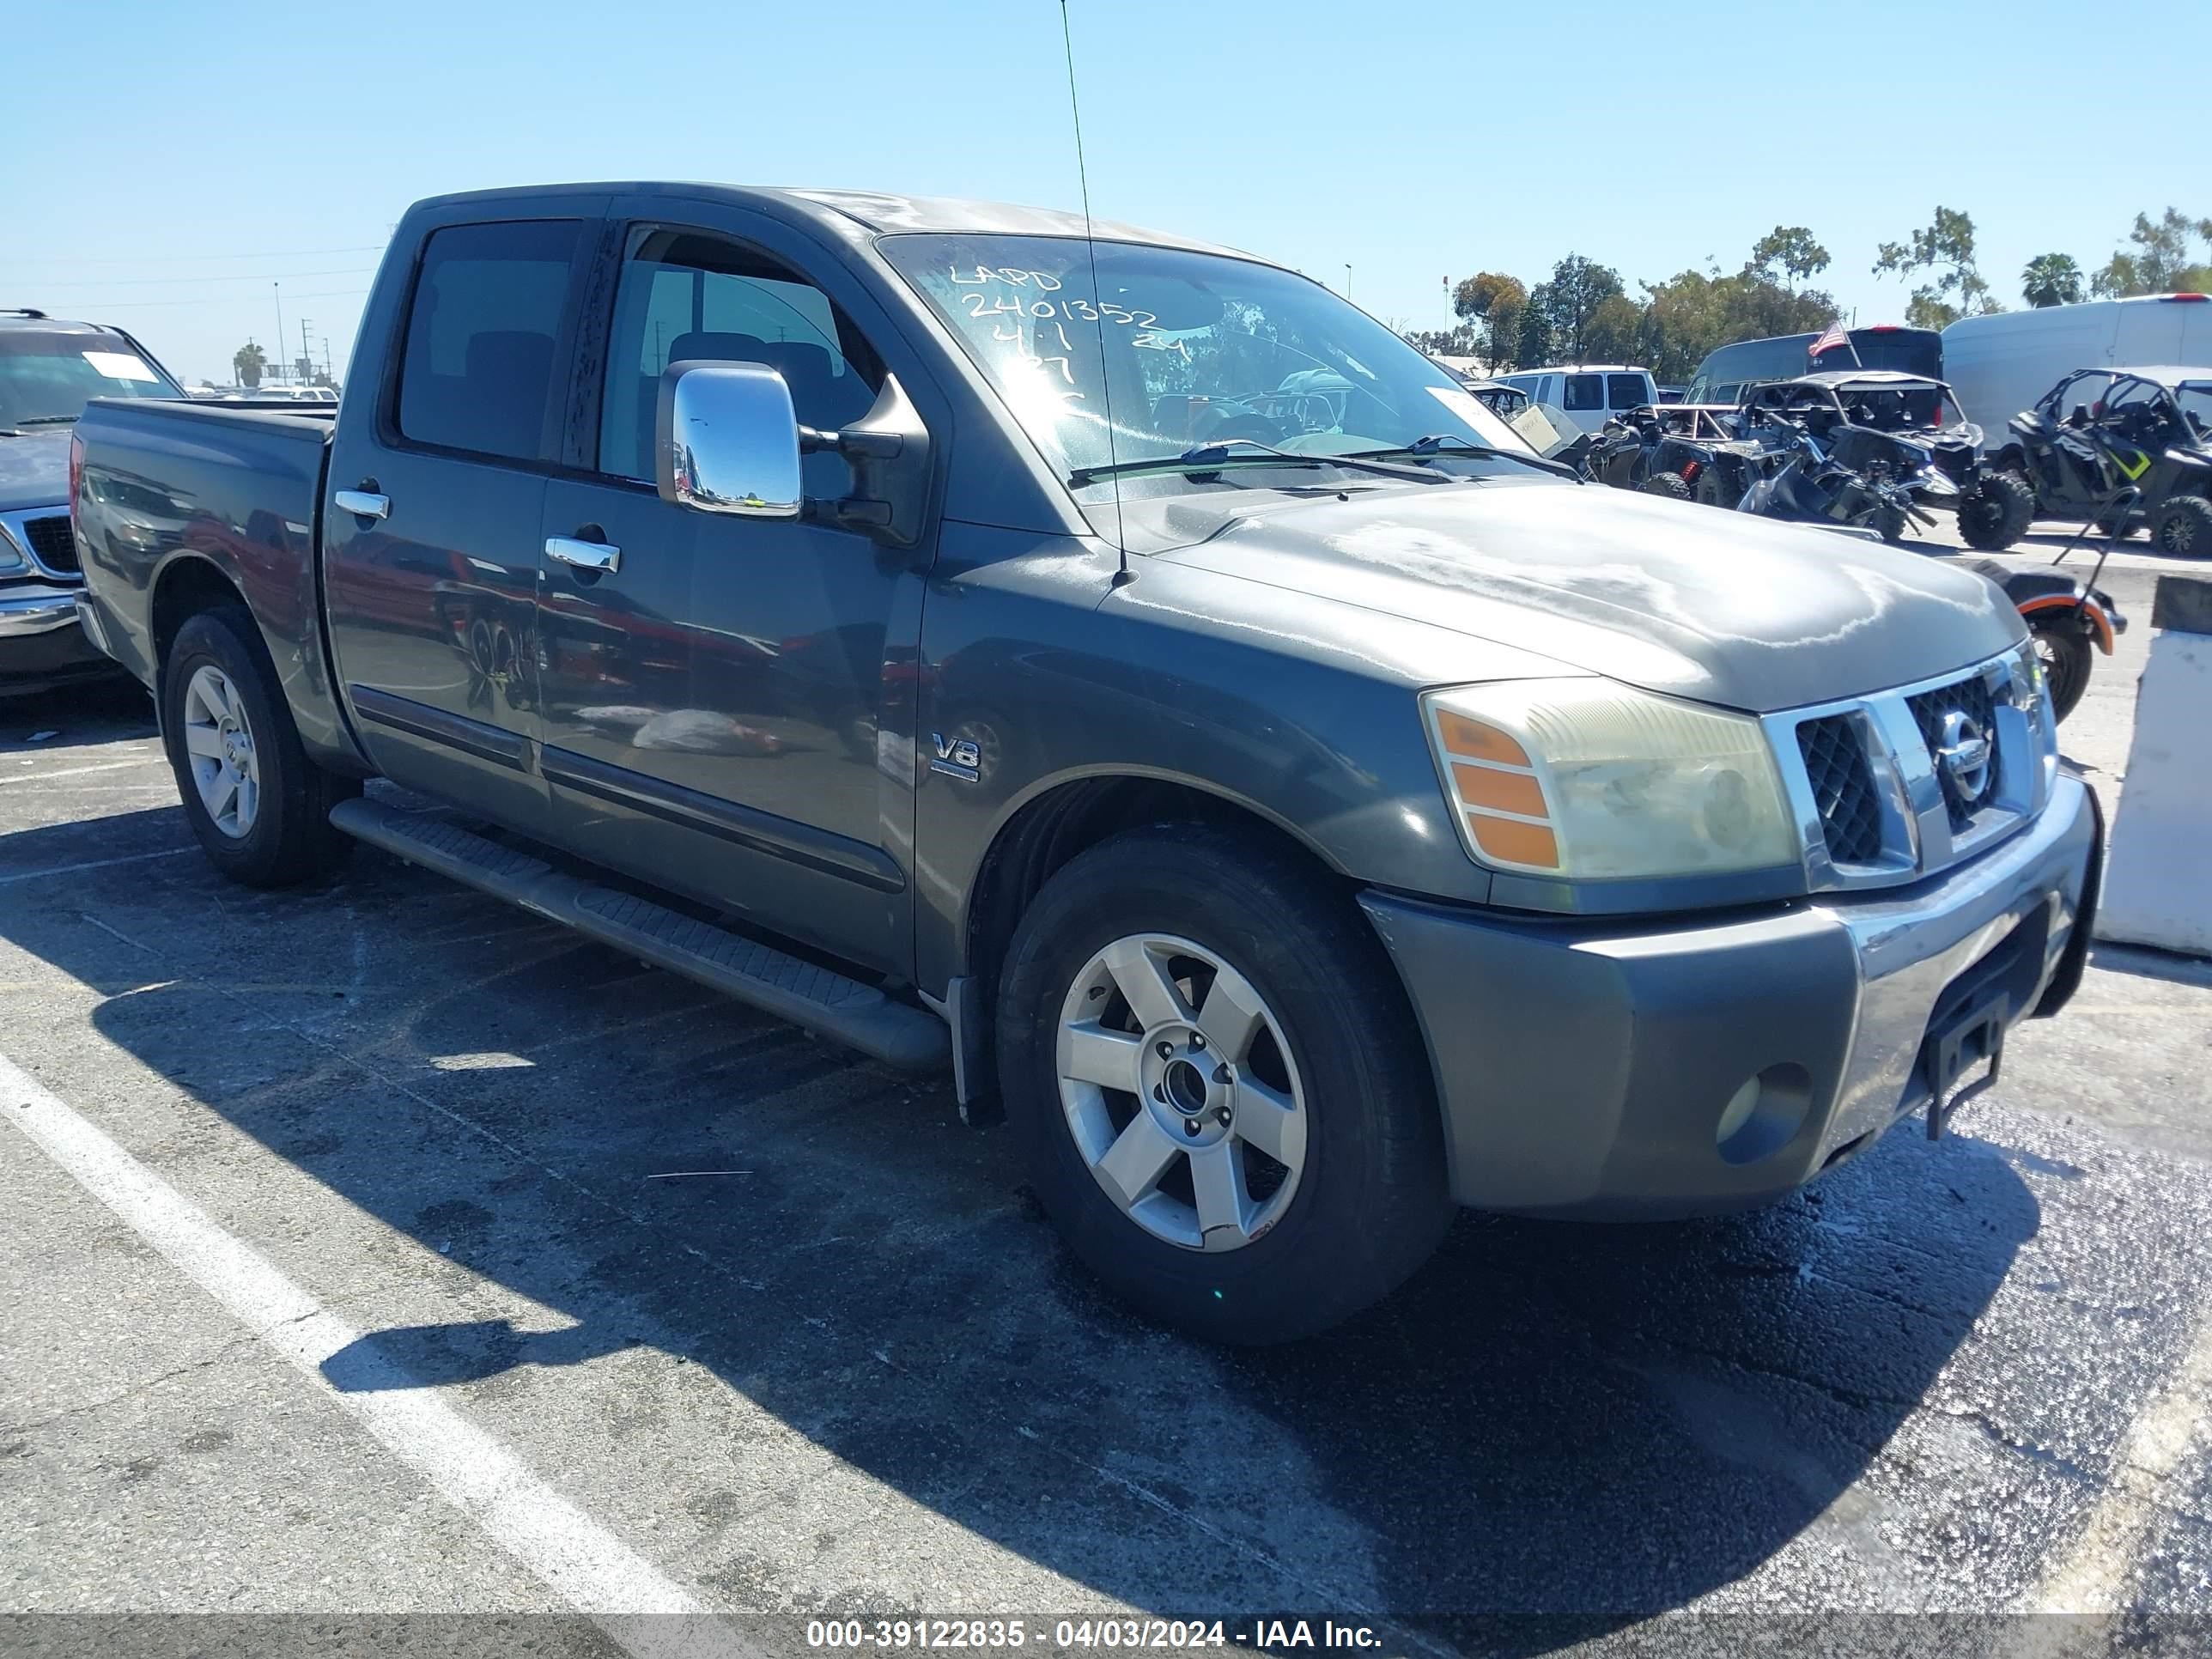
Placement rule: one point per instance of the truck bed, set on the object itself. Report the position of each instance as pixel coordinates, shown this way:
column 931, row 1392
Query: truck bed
column 167, row 485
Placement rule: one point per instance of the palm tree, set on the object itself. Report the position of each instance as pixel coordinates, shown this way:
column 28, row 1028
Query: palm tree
column 2050, row 279
column 248, row 360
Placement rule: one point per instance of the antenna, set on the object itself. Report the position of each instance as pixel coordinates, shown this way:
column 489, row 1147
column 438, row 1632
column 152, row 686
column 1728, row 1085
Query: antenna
column 1097, row 305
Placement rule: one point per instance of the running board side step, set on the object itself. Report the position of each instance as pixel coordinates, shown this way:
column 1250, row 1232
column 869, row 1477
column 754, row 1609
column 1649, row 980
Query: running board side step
column 770, row 979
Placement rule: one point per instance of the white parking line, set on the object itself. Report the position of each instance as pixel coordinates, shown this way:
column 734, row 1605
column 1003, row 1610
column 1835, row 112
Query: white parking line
column 2093, row 1576
column 75, row 771
column 580, row 1560
column 93, row 864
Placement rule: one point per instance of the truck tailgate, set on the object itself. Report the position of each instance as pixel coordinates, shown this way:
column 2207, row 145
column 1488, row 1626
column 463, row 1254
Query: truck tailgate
column 171, row 494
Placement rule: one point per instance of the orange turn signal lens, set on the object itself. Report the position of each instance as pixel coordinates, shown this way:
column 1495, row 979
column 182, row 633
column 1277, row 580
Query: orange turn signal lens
column 1498, row 791
column 1511, row 841
column 1501, row 792
column 1478, row 741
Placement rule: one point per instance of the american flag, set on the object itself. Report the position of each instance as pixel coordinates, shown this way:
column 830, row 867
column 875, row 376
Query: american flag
column 1835, row 336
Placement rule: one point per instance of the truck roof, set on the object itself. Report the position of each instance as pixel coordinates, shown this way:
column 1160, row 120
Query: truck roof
column 874, row 211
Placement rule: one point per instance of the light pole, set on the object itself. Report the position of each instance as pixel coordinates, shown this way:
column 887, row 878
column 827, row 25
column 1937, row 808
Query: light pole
column 1347, row 279
column 277, row 289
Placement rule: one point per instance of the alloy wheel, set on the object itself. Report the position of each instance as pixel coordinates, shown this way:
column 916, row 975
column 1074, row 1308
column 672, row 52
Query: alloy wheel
column 219, row 745
column 1180, row 1092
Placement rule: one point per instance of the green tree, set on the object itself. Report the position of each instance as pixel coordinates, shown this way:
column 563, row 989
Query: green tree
column 1532, row 339
column 1695, row 312
column 248, row 363
column 1945, row 250
column 1568, row 302
column 1495, row 302
column 2050, row 279
column 1615, row 331
column 1793, row 249
column 2161, row 263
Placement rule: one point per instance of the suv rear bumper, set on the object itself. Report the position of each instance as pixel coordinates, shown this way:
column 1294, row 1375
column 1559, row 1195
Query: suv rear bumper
column 1583, row 1067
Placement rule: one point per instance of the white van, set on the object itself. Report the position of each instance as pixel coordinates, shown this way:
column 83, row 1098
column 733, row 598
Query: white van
column 2001, row 365
column 1591, row 393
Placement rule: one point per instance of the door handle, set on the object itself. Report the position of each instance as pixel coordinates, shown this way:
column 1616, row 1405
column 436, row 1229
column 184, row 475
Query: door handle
column 361, row 504
column 585, row 556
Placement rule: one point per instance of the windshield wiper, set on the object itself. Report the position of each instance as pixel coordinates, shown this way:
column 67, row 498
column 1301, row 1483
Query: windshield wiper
column 1211, row 458
column 1435, row 444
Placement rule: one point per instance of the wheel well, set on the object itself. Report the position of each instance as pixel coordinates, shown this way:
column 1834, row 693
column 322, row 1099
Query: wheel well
column 187, row 587
column 1070, row 819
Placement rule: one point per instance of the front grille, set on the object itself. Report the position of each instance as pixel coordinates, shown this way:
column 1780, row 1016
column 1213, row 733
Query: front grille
column 1970, row 697
column 53, row 544
column 1842, row 788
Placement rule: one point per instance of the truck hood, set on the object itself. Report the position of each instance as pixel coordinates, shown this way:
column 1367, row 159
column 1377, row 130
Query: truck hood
column 34, row 469
column 1692, row 602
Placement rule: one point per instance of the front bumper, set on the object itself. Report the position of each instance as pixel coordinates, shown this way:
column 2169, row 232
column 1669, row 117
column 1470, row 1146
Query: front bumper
column 1583, row 1067
column 40, row 643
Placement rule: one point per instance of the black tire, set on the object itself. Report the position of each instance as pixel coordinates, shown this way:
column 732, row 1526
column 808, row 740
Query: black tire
column 1672, row 485
column 1888, row 523
column 290, row 839
column 1995, row 512
column 2184, row 527
column 1712, row 490
column 2119, row 526
column 1372, row 1200
column 2065, row 650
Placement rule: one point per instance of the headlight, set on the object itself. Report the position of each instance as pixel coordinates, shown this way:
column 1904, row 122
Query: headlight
column 2029, row 691
column 1588, row 780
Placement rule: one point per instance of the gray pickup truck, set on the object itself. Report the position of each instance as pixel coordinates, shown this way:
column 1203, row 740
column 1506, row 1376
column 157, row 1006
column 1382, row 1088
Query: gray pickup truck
column 1121, row 671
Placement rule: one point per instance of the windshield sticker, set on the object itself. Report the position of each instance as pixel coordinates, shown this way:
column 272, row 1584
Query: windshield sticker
column 1461, row 403
column 117, row 366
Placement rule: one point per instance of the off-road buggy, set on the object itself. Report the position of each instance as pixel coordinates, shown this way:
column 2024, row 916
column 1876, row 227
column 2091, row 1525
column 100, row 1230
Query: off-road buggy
column 2126, row 448
column 1893, row 427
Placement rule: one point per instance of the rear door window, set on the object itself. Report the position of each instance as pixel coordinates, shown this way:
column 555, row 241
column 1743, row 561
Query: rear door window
column 483, row 330
column 1585, row 392
column 1626, row 391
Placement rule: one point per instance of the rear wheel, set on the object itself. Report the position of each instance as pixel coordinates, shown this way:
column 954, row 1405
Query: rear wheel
column 1220, row 1094
column 259, row 805
column 2064, row 651
column 1995, row 512
column 1888, row 522
column 1669, row 484
column 2184, row 527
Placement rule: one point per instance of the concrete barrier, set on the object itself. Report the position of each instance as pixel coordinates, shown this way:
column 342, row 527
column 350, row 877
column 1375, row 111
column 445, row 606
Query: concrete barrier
column 2157, row 883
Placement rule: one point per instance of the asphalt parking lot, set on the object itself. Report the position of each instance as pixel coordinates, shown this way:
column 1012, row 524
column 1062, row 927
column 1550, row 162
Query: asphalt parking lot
column 381, row 1249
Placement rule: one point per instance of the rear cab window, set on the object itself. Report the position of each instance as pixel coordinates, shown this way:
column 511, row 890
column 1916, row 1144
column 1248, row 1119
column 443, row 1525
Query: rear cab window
column 483, row 327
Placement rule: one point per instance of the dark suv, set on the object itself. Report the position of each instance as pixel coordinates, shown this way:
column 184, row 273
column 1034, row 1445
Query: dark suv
column 48, row 370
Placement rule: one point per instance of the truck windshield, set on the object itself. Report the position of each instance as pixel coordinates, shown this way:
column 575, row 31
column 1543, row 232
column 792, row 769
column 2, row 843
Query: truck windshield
column 1183, row 349
column 46, row 378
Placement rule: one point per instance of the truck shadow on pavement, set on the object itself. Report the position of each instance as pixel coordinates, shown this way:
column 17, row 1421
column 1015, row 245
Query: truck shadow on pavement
column 1590, row 1424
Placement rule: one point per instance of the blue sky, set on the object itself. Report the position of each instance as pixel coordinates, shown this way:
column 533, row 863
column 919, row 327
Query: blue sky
column 171, row 159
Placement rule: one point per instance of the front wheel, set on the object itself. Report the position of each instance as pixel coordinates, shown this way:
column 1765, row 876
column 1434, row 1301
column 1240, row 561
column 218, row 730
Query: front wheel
column 2064, row 649
column 1669, row 484
column 1995, row 512
column 1221, row 1096
column 2184, row 527
column 259, row 805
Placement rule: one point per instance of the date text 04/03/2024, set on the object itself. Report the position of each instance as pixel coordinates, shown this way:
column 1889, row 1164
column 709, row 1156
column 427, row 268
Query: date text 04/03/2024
column 1078, row 1634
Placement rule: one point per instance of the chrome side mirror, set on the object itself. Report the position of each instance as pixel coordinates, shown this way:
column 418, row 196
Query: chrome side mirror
column 725, row 441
